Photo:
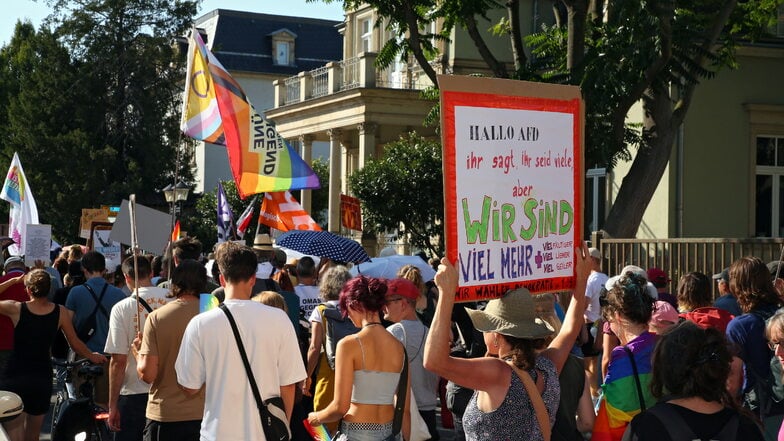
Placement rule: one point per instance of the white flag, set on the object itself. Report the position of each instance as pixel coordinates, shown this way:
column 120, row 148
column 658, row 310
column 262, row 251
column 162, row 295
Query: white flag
column 16, row 190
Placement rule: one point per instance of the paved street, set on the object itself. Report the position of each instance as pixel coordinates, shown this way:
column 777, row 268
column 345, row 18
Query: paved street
column 445, row 434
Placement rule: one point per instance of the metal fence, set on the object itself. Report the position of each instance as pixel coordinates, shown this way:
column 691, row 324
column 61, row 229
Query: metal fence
column 677, row 257
column 292, row 90
column 320, row 82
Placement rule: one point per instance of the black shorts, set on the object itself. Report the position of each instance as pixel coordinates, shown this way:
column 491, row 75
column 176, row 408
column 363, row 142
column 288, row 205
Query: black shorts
column 588, row 348
column 35, row 389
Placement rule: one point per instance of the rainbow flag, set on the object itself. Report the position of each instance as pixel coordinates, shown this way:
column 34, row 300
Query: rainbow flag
column 216, row 110
column 620, row 401
column 207, row 302
column 319, row 433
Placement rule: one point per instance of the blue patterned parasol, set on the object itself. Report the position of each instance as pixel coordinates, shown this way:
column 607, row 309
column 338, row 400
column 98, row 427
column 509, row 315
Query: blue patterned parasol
column 323, row 244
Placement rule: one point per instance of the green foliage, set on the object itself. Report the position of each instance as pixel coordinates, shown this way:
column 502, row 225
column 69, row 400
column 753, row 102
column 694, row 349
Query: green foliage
column 203, row 222
column 319, row 199
column 92, row 107
column 403, row 192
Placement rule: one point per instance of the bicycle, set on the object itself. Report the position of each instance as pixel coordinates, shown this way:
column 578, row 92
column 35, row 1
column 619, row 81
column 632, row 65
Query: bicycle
column 75, row 416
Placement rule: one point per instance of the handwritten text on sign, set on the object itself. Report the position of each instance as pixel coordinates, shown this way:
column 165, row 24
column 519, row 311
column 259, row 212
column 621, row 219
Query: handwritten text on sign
column 515, row 213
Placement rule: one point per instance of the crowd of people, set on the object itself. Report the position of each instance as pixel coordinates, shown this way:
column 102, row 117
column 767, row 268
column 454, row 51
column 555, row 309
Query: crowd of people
column 365, row 358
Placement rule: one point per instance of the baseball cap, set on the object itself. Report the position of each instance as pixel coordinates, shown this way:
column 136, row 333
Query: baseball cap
column 657, row 276
column 595, row 253
column 773, row 266
column 664, row 314
column 14, row 262
column 724, row 275
column 402, row 288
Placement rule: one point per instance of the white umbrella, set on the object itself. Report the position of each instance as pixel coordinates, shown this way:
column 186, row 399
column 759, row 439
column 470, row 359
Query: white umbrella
column 387, row 267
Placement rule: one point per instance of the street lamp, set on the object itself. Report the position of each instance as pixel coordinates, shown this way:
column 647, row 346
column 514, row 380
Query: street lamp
column 178, row 193
column 173, row 194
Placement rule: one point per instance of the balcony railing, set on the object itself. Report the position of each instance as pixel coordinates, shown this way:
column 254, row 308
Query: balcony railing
column 348, row 74
column 292, row 90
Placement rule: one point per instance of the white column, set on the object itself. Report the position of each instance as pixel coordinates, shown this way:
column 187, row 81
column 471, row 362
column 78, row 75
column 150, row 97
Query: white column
column 347, row 163
column 367, row 142
column 306, row 150
column 334, row 179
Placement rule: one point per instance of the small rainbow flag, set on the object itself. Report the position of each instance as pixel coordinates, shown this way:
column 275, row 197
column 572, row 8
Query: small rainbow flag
column 207, row 302
column 319, row 433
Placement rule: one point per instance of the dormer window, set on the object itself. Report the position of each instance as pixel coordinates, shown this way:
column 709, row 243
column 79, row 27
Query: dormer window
column 282, row 53
column 283, row 47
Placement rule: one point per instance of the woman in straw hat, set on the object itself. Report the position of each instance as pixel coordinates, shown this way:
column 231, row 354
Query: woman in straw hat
column 516, row 390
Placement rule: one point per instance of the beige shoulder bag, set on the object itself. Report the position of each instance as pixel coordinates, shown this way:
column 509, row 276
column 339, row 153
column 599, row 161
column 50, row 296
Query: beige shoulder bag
column 536, row 400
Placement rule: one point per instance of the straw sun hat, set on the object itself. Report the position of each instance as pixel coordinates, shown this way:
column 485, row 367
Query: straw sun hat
column 514, row 315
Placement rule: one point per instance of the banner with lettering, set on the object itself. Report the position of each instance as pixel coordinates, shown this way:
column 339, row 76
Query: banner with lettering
column 513, row 167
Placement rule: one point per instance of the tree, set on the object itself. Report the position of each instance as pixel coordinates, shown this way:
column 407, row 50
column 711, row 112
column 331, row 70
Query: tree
column 656, row 52
column 203, row 222
column 96, row 103
column 403, row 192
column 41, row 97
column 319, row 200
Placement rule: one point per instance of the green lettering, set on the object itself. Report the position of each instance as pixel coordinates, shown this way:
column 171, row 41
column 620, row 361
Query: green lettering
column 479, row 226
column 528, row 210
column 566, row 212
column 508, row 217
column 550, row 220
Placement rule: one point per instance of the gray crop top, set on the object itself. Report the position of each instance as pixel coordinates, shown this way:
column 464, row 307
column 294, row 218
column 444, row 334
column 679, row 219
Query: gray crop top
column 373, row 387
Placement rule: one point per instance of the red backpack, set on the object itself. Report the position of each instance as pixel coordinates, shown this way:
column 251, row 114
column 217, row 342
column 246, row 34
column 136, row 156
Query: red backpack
column 709, row 317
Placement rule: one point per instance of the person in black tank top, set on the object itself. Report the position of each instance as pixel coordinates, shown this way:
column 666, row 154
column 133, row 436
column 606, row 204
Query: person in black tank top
column 29, row 370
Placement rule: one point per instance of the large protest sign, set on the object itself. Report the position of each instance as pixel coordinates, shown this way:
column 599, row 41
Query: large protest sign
column 512, row 183
column 153, row 228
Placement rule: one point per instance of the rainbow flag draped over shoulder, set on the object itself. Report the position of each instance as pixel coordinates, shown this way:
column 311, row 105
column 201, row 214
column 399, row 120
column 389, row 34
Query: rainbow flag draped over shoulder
column 620, row 401
column 216, row 110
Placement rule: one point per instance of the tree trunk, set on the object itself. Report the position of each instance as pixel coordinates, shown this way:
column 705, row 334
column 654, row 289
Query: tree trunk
column 643, row 178
column 578, row 12
column 416, row 47
column 498, row 68
column 518, row 52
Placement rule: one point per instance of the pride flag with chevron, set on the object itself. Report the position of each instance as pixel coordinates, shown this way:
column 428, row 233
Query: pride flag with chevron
column 216, row 110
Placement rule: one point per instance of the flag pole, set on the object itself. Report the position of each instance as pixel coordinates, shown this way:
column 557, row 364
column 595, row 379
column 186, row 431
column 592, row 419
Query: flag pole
column 135, row 250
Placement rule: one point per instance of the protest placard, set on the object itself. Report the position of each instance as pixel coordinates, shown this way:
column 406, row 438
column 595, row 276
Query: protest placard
column 153, row 228
column 38, row 242
column 90, row 215
column 513, row 167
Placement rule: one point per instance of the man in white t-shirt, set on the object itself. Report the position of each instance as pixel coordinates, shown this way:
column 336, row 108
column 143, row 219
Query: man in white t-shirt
column 306, row 289
column 209, row 355
column 593, row 290
column 127, row 393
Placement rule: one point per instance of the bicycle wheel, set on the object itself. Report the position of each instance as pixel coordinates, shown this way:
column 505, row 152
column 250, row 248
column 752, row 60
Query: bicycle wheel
column 101, row 432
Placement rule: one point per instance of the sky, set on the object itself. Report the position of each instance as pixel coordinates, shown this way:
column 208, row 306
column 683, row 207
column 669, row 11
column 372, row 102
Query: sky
column 37, row 10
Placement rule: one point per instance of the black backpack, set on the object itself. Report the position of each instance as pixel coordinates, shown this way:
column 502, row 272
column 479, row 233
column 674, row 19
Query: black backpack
column 678, row 428
column 766, row 398
column 89, row 325
column 335, row 328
